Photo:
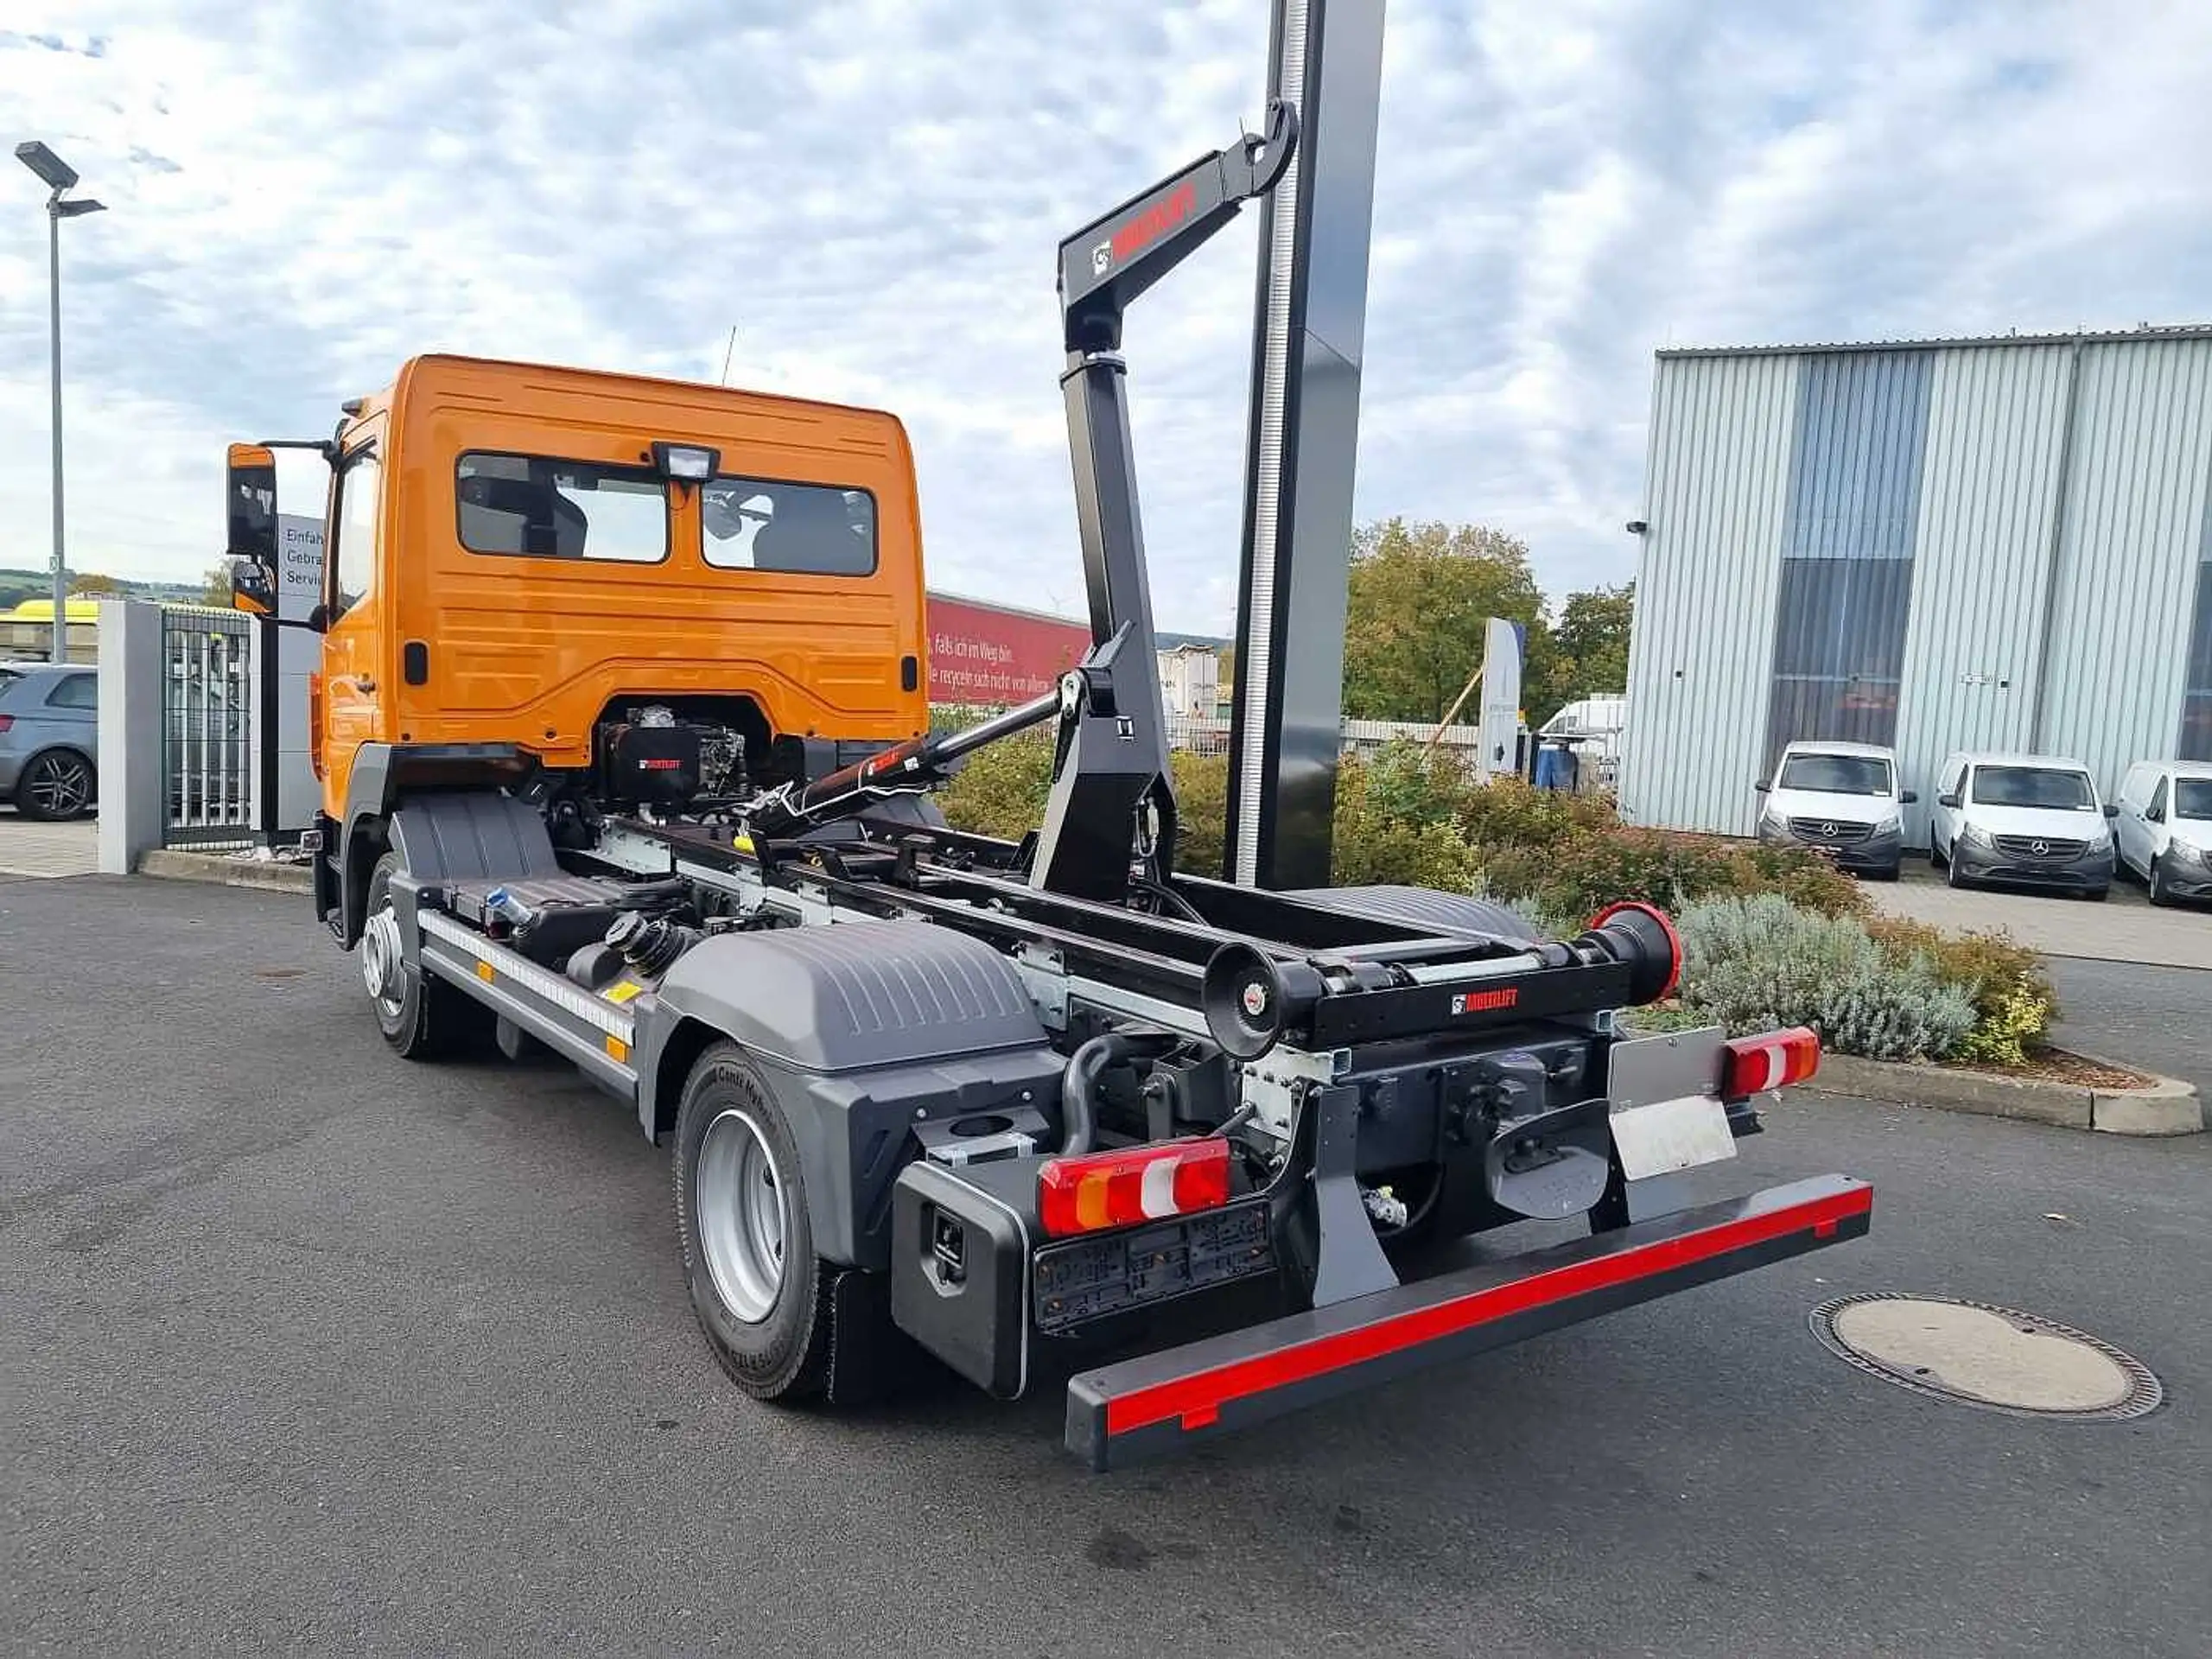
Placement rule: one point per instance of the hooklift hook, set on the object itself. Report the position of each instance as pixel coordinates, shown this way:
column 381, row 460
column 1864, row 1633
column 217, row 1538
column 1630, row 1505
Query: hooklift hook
column 1262, row 156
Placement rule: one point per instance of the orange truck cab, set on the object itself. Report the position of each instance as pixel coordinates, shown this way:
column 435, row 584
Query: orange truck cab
column 529, row 572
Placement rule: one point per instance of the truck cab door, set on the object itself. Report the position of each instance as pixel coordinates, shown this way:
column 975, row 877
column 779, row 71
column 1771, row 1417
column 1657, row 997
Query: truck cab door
column 355, row 645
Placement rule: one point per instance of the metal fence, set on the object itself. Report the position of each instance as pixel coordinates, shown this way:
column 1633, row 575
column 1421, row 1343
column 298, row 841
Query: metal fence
column 1199, row 734
column 207, row 727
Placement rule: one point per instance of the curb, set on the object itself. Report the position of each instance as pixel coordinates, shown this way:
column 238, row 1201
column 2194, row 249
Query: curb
column 174, row 864
column 2167, row 1106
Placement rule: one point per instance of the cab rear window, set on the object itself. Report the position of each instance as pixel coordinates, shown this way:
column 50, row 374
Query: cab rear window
column 533, row 507
column 758, row 523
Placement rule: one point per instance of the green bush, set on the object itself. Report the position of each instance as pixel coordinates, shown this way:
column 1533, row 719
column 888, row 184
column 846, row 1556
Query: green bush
column 1000, row 789
column 1805, row 878
column 1407, row 784
column 1757, row 963
column 1512, row 812
column 1201, row 811
column 2015, row 1004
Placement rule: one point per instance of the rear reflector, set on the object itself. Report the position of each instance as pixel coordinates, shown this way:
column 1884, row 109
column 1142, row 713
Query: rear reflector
column 1118, row 1189
column 1774, row 1059
column 6, row 721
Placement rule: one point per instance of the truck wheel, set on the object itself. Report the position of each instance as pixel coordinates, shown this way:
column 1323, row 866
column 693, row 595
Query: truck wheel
column 762, row 1296
column 421, row 1017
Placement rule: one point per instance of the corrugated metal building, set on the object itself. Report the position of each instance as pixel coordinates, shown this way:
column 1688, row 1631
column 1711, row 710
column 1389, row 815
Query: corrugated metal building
column 1942, row 544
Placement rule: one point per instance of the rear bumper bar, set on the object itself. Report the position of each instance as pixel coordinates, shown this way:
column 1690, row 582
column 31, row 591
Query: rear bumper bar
column 1158, row 1402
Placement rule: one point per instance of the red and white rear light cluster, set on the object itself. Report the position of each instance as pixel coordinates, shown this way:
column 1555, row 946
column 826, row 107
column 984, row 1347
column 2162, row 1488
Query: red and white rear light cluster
column 1773, row 1059
column 1099, row 1189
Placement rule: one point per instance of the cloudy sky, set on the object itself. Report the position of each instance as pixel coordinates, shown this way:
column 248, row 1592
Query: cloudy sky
column 870, row 191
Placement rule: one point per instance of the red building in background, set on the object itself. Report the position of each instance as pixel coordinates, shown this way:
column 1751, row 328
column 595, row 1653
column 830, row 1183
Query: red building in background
column 989, row 656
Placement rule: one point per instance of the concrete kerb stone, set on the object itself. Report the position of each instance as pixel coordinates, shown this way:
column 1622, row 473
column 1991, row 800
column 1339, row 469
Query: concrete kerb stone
column 2169, row 1106
column 176, row 864
column 2166, row 1106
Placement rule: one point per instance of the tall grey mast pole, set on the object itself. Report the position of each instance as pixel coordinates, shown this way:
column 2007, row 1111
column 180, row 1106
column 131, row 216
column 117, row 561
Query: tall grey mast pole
column 1302, row 439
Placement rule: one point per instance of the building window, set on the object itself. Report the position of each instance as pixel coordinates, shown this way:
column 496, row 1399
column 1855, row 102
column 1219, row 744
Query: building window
column 1839, row 653
column 1846, row 549
column 2196, row 699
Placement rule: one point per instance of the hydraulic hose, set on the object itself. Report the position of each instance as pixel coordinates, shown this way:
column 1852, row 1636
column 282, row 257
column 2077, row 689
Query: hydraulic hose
column 1079, row 1083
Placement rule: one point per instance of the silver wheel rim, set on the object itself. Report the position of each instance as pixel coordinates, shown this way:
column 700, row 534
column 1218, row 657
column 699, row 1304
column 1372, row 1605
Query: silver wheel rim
column 382, row 968
column 738, row 1205
column 60, row 785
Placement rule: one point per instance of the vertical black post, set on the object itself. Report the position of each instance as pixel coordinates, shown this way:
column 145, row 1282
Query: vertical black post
column 268, row 722
column 1326, row 59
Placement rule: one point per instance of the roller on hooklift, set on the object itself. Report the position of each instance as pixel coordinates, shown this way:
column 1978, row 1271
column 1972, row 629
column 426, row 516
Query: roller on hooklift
column 625, row 756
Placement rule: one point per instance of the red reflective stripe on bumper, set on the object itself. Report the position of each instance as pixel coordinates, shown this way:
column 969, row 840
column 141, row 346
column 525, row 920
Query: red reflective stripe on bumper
column 1196, row 1401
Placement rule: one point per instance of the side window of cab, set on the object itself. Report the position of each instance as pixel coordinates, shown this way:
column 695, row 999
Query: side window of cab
column 349, row 568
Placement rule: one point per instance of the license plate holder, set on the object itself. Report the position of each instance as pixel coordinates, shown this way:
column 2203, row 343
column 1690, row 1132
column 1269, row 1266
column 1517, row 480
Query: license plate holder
column 1665, row 1109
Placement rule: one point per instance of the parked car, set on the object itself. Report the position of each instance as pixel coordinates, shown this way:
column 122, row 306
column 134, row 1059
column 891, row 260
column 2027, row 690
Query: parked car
column 49, row 738
column 2034, row 819
column 1843, row 798
column 2163, row 831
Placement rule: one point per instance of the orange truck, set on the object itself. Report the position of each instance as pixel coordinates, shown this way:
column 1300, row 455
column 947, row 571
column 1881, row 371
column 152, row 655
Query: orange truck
column 625, row 754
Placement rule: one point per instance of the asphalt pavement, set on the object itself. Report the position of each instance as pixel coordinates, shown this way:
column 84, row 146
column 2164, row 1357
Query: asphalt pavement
column 310, row 1349
column 2125, row 927
column 2160, row 1018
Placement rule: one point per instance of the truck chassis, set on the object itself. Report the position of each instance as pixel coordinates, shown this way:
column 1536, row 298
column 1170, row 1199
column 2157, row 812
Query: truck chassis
column 1012, row 1102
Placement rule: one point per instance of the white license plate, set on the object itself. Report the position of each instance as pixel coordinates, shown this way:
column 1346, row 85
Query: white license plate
column 1667, row 1113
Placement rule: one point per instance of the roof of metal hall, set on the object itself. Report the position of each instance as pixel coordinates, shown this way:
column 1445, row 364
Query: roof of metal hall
column 2146, row 332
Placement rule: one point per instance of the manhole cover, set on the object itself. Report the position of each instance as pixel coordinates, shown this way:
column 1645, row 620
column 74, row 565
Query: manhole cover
column 1995, row 1357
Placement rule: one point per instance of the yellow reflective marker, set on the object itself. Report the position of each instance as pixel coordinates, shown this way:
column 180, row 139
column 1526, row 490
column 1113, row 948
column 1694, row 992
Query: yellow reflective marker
column 484, row 971
column 623, row 991
column 617, row 1049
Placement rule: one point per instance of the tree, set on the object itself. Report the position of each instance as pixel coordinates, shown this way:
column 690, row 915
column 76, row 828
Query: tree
column 218, row 590
column 1588, row 650
column 94, row 584
column 1420, row 594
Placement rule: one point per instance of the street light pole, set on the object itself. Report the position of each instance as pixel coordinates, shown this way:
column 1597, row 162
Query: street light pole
column 54, row 301
column 60, row 177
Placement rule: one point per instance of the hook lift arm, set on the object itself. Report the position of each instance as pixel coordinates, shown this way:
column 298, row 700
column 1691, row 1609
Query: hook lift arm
column 1112, row 804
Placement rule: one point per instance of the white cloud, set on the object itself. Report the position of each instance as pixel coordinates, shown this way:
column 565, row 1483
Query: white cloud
column 871, row 192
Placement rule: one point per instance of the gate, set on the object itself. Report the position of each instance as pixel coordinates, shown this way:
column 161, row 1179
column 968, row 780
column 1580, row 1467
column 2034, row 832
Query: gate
column 207, row 681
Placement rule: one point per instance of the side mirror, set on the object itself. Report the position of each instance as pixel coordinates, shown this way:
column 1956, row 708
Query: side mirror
column 2111, row 809
column 249, row 493
column 2154, row 814
column 1762, row 785
column 1950, row 802
column 1908, row 797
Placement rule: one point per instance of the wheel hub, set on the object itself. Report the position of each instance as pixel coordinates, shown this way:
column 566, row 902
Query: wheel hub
column 738, row 1206
column 383, row 966
column 60, row 786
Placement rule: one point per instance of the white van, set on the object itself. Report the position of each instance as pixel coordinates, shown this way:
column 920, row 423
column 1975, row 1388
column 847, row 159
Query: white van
column 1843, row 799
column 2033, row 819
column 2165, row 828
